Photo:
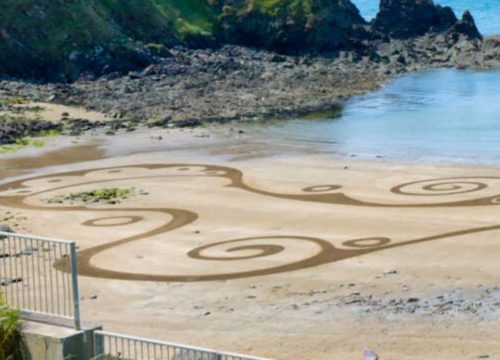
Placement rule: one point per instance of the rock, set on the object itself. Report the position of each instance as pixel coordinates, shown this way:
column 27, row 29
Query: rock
column 188, row 123
column 467, row 26
column 278, row 58
column 323, row 25
column 135, row 75
column 403, row 19
column 5, row 228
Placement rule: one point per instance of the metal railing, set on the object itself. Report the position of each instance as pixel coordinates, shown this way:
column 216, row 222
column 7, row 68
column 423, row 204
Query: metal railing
column 38, row 276
column 112, row 346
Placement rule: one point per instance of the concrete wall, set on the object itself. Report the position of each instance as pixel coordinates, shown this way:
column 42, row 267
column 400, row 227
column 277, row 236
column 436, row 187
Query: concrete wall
column 51, row 342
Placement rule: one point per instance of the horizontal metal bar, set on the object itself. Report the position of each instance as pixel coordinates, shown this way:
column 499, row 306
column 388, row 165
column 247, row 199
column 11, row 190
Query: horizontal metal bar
column 33, row 237
column 180, row 346
column 52, row 319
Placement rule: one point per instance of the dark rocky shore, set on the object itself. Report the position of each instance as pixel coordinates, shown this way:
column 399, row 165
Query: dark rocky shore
column 268, row 69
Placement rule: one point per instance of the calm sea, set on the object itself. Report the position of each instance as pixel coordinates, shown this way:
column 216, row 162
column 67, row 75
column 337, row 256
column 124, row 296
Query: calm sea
column 436, row 116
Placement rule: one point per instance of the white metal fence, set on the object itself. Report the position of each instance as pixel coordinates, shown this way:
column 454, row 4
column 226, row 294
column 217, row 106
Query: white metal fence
column 38, row 276
column 112, row 346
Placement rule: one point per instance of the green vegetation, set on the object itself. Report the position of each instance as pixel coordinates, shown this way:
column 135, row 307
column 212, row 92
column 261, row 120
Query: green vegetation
column 13, row 100
column 272, row 7
column 19, row 144
column 60, row 39
column 10, row 337
column 107, row 196
column 59, row 33
column 25, row 141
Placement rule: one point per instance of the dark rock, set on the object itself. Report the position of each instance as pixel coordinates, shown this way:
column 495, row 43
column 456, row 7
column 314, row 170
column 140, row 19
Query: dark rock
column 290, row 26
column 188, row 123
column 467, row 26
column 409, row 18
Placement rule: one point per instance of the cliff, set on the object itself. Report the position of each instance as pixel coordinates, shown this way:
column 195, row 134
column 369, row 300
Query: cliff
column 58, row 40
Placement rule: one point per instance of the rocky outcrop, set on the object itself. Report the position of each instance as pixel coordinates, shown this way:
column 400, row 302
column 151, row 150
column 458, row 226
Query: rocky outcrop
column 404, row 19
column 59, row 41
column 292, row 26
column 467, row 26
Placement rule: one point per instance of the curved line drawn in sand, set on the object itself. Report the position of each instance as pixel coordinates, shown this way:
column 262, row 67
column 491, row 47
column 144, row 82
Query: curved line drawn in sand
column 239, row 248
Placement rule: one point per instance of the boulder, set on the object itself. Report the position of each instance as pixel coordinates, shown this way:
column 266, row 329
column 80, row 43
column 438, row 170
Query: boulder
column 467, row 26
column 410, row 18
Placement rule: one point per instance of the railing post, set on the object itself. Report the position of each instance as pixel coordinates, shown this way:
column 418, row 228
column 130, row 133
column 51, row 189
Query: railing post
column 74, row 284
column 98, row 345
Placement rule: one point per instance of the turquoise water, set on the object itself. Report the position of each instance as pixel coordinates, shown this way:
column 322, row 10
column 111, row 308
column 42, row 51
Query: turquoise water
column 437, row 116
column 486, row 12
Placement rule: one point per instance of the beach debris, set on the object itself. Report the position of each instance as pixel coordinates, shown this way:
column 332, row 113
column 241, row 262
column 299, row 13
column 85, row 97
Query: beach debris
column 370, row 355
column 484, row 356
column 390, row 272
column 7, row 282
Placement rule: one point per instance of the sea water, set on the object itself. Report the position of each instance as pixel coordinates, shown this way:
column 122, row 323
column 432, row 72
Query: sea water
column 442, row 115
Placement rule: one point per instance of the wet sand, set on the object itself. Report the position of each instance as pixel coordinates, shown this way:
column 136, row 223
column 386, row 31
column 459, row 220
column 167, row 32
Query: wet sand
column 279, row 250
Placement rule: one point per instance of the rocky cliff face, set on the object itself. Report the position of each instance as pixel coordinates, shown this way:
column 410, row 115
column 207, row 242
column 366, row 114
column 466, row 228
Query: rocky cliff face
column 57, row 40
column 403, row 19
column 292, row 25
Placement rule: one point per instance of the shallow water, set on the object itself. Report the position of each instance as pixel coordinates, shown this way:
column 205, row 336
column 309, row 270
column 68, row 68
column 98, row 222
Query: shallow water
column 438, row 116
column 485, row 12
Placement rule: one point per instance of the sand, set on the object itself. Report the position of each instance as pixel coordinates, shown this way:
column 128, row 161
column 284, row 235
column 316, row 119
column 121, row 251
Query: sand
column 311, row 234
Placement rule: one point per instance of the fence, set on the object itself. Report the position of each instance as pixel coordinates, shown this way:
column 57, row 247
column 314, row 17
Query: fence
column 38, row 276
column 123, row 347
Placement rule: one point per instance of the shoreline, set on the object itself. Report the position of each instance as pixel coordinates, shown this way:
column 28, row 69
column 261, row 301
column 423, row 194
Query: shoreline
column 207, row 141
column 237, row 84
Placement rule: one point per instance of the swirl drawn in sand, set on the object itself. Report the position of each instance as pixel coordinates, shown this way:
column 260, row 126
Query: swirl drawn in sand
column 15, row 193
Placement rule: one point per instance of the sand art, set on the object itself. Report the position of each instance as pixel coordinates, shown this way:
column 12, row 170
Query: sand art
column 16, row 193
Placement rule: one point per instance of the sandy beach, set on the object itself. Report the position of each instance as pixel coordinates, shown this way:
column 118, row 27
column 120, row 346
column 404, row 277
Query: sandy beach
column 278, row 250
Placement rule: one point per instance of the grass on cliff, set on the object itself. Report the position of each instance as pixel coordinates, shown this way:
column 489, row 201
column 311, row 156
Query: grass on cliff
column 273, row 7
column 10, row 336
column 55, row 25
column 50, row 35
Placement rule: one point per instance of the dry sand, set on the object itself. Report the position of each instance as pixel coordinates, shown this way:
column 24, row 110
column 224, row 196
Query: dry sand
column 315, row 309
